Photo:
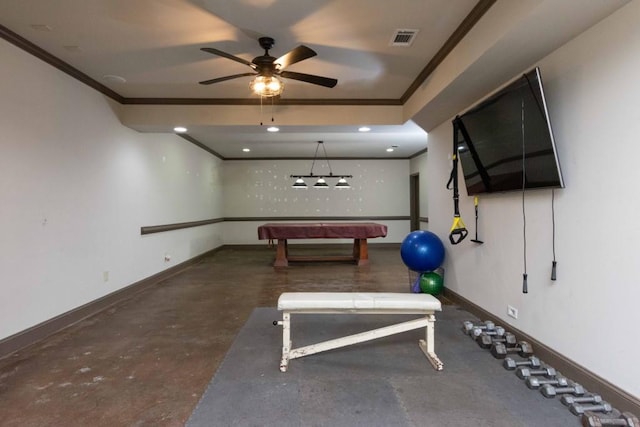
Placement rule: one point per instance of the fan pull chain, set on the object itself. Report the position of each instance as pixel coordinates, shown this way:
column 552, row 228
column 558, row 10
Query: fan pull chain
column 272, row 119
column 260, row 110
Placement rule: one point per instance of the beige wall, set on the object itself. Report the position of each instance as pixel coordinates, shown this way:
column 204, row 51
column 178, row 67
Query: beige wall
column 590, row 314
column 75, row 188
column 262, row 188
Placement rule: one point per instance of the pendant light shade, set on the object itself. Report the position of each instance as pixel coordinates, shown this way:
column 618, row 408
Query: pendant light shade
column 300, row 184
column 342, row 183
column 321, row 182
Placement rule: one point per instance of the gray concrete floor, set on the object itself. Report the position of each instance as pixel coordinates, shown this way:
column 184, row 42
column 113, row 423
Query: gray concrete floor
column 147, row 360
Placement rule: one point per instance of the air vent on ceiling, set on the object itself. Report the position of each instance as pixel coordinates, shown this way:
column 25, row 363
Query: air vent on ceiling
column 403, row 37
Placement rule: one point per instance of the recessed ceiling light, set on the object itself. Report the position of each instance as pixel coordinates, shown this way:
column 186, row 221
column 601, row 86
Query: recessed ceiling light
column 246, row 150
column 114, row 79
column 364, row 129
column 180, row 129
column 273, row 129
column 390, row 149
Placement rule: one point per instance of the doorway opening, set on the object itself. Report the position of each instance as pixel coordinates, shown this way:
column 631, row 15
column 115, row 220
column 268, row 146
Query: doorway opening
column 414, row 201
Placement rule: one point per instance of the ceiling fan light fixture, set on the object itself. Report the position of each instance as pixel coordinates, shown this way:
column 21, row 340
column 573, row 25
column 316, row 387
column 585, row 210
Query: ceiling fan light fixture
column 267, row 86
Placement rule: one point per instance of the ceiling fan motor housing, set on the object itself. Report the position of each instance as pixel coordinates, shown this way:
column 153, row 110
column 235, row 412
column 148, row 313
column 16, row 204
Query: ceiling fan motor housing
column 265, row 65
column 266, row 43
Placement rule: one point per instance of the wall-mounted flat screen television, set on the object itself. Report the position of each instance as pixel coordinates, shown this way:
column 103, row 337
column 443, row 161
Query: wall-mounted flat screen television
column 507, row 138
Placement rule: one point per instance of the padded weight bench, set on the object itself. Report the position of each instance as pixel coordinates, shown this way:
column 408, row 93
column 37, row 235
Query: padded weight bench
column 358, row 303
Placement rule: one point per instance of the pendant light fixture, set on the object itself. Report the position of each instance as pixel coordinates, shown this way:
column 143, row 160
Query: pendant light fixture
column 321, row 182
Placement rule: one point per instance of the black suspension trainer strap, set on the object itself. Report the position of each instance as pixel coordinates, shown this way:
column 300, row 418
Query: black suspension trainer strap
column 458, row 229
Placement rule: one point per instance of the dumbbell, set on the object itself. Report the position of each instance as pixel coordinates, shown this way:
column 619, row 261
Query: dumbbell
column 550, row 391
column 535, row 383
column 498, row 331
column 523, row 372
column 570, row 400
column 510, row 364
column 500, row 351
column 468, row 326
column 581, row 409
column 486, row 341
column 625, row 419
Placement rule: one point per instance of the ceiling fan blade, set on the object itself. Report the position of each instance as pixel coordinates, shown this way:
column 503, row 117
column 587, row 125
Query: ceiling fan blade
column 295, row 55
column 309, row 78
column 227, row 55
column 222, row 79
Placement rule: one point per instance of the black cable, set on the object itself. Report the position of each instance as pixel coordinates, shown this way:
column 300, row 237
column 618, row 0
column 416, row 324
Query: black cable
column 535, row 98
column 315, row 156
column 553, row 214
column 525, row 288
column 553, row 234
column 326, row 158
column 553, row 221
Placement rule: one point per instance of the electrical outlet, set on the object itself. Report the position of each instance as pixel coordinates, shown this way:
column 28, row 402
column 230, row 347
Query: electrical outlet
column 167, row 257
column 105, row 276
column 512, row 311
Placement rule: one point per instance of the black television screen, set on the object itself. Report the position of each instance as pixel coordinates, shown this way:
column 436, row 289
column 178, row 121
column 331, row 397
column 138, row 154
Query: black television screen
column 507, row 137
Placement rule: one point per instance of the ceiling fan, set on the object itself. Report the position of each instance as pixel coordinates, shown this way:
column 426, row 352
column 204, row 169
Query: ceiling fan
column 268, row 69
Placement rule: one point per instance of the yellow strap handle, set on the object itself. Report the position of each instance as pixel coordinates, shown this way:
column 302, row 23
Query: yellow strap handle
column 458, row 231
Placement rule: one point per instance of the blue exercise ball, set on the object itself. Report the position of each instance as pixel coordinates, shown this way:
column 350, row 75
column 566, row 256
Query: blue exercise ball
column 422, row 251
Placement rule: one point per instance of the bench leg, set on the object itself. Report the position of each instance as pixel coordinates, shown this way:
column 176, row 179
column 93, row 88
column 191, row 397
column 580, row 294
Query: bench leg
column 427, row 345
column 289, row 353
column 286, row 341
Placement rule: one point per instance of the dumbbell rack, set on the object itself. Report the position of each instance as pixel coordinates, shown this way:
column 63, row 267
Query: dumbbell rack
column 537, row 375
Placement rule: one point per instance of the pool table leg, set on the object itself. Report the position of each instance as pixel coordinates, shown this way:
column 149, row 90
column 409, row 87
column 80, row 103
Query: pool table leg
column 281, row 254
column 360, row 251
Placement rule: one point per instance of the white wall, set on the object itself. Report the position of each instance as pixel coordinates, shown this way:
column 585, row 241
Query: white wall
column 419, row 165
column 590, row 314
column 262, row 188
column 75, row 188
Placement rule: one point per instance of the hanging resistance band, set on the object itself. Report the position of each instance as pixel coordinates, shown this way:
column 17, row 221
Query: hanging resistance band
column 458, row 229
